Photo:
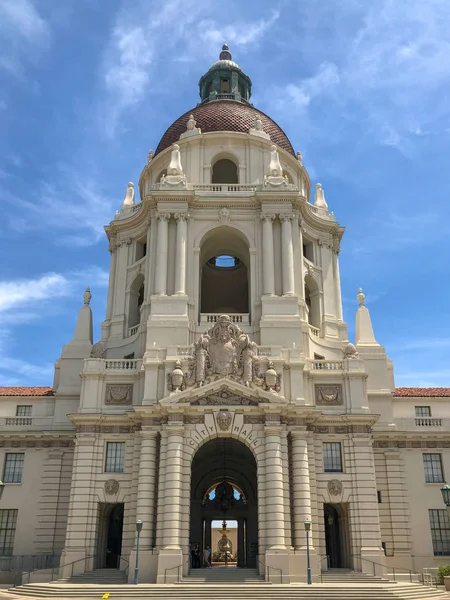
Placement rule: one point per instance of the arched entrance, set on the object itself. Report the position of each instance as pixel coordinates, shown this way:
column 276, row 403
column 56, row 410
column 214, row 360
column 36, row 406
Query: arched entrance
column 224, row 488
column 337, row 536
column 109, row 546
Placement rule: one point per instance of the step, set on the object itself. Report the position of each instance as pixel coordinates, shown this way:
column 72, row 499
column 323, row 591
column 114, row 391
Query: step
column 237, row 592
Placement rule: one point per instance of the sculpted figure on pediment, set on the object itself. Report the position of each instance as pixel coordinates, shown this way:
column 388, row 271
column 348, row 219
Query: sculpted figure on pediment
column 226, row 351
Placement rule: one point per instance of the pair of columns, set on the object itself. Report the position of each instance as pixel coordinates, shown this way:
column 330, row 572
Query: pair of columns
column 301, row 493
column 287, row 254
column 162, row 253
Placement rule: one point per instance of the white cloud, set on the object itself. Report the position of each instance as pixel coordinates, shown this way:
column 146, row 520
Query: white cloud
column 23, row 33
column 326, row 78
column 72, row 204
column 143, row 41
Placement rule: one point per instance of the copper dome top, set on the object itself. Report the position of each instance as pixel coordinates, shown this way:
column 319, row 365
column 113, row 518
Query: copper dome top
column 225, row 115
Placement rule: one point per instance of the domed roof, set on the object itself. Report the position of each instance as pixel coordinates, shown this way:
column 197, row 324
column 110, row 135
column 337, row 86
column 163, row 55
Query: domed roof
column 225, row 115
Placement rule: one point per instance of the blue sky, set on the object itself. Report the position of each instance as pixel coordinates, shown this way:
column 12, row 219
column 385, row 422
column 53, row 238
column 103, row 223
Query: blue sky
column 362, row 88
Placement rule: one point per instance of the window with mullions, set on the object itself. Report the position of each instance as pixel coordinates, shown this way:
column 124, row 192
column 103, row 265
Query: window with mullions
column 432, row 464
column 332, row 457
column 23, row 411
column 423, row 411
column 440, row 531
column 12, row 471
column 115, row 457
column 8, row 520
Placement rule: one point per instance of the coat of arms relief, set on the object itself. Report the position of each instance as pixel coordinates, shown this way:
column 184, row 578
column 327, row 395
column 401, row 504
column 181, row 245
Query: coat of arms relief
column 224, row 351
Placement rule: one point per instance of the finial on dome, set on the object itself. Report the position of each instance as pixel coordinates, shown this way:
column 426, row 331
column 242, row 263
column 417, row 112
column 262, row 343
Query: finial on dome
column 225, row 54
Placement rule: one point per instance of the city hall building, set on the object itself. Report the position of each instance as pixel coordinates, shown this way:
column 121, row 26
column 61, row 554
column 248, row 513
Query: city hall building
column 224, row 385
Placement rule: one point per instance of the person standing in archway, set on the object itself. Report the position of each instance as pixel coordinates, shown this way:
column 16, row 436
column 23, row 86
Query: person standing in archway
column 207, row 557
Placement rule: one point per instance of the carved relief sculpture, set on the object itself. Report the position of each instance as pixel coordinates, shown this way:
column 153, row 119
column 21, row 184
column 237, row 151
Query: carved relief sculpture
column 117, row 393
column 328, row 395
column 111, row 487
column 223, row 419
column 334, row 487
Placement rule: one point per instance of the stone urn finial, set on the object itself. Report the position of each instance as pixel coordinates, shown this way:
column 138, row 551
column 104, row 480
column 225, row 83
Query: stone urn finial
column 177, row 377
column 270, row 377
column 360, row 297
column 87, row 296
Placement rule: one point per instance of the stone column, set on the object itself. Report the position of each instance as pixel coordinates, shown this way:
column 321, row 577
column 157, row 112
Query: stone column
column 268, row 254
column 162, row 250
column 241, row 562
column 112, row 278
column 398, row 508
column 275, row 537
column 337, row 279
column 145, row 508
column 161, row 490
column 180, row 260
column 287, row 254
column 172, row 491
column 300, row 487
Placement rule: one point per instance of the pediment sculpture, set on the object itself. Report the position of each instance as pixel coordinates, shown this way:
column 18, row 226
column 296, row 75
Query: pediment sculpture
column 225, row 351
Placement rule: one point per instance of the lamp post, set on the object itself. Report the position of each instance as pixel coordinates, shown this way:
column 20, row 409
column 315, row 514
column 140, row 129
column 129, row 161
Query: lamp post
column 445, row 491
column 136, row 567
column 2, row 487
column 308, row 558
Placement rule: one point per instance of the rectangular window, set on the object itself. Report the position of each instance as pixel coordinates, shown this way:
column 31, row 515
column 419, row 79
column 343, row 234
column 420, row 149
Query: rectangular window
column 8, row 520
column 12, row 471
column 115, row 457
column 440, row 531
column 423, row 411
column 379, row 496
column 23, row 411
column 332, row 458
column 432, row 463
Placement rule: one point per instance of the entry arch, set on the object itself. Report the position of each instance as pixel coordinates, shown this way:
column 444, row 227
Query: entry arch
column 224, row 464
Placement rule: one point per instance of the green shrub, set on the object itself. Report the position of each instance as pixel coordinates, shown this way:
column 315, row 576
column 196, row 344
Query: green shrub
column 443, row 571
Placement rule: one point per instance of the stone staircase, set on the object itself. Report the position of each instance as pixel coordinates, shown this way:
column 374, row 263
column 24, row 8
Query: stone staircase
column 228, row 584
column 96, row 577
column 225, row 575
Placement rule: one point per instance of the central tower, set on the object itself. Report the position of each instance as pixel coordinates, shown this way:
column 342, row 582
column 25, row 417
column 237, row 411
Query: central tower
column 225, row 225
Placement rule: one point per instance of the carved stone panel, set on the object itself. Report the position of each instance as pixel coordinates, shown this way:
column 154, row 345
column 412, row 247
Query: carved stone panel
column 119, row 393
column 111, row 487
column 334, row 487
column 224, row 398
column 223, row 419
column 328, row 395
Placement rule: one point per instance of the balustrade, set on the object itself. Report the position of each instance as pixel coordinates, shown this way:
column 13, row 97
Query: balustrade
column 327, row 365
column 133, row 330
column 427, row 422
column 21, row 421
column 314, row 330
column 122, row 364
column 242, row 318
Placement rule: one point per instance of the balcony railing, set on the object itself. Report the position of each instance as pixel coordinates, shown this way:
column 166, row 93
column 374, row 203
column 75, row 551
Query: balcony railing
column 20, row 421
column 223, row 187
column 210, row 318
column 427, row 422
column 133, row 330
column 314, row 330
column 122, row 364
column 327, row 365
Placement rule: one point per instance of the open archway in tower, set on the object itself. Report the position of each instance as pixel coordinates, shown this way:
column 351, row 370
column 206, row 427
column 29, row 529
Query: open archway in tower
column 224, row 264
column 224, row 489
column 136, row 300
column 224, row 171
column 312, row 299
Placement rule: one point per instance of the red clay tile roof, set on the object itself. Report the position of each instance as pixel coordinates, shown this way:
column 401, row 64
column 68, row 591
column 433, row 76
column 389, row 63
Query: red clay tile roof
column 405, row 392
column 26, row 391
column 225, row 115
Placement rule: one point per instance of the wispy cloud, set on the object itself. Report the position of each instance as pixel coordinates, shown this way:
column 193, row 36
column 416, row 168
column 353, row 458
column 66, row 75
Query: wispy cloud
column 142, row 41
column 23, row 33
column 86, row 209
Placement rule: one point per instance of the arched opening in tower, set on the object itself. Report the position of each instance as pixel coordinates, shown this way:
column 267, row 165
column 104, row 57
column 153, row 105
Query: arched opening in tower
column 224, row 171
column 312, row 299
column 136, row 300
column 224, row 273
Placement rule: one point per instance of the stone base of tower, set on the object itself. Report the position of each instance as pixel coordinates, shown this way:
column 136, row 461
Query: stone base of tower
column 280, row 319
column 148, row 566
column 168, row 321
column 170, row 565
column 298, row 565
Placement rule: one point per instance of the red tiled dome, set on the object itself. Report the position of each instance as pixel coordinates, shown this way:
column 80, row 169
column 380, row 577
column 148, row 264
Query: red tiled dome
column 225, row 115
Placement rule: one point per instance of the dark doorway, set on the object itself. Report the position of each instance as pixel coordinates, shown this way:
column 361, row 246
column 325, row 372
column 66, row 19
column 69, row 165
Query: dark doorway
column 336, row 536
column 110, row 535
column 224, row 487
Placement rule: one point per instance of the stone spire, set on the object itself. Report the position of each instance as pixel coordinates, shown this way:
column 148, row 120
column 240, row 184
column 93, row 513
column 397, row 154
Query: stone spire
column 364, row 329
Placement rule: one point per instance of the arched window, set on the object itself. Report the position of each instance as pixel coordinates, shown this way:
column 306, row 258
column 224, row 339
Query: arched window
column 164, row 172
column 312, row 300
column 225, row 171
column 137, row 292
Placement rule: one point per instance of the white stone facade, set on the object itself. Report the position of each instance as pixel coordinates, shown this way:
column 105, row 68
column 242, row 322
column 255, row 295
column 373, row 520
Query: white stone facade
column 332, row 441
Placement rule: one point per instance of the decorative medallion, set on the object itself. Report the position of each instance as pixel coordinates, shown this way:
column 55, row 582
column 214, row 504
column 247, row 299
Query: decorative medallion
column 328, row 395
column 223, row 419
column 117, row 393
column 334, row 487
column 111, row 487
